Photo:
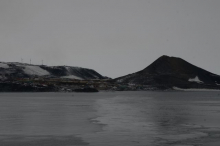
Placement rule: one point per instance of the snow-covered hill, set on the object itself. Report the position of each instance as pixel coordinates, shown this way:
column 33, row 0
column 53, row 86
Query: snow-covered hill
column 22, row 70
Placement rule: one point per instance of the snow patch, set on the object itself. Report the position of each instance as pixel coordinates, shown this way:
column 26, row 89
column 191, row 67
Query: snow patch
column 71, row 77
column 67, row 68
column 3, row 65
column 193, row 89
column 196, row 79
column 35, row 70
column 120, row 80
column 217, row 83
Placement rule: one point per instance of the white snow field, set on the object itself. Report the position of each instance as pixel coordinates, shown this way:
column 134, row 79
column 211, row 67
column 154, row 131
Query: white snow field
column 71, row 77
column 3, row 65
column 196, row 79
column 217, row 83
column 35, row 70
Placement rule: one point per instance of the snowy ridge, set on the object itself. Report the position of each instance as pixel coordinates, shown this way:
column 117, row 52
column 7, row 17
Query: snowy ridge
column 24, row 70
column 70, row 73
column 80, row 73
column 35, row 70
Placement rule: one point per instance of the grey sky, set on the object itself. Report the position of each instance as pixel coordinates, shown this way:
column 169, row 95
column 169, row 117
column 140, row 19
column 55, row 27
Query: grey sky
column 113, row 37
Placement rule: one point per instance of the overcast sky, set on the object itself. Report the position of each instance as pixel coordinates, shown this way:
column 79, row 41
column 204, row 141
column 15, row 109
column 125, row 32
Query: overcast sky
column 113, row 37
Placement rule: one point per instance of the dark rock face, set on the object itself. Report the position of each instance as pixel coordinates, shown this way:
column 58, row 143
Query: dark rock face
column 15, row 87
column 171, row 71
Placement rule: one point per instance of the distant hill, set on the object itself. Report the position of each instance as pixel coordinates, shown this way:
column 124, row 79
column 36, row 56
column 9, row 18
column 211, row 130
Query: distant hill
column 168, row 72
column 22, row 70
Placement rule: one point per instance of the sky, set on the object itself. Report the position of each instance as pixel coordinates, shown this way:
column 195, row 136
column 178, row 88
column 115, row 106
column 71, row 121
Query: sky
column 113, row 37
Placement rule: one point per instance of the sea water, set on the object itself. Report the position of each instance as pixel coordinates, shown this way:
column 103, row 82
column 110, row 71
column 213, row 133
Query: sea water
column 110, row 119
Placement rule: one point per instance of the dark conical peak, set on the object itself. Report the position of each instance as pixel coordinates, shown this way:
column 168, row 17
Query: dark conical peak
column 165, row 57
column 166, row 64
column 172, row 71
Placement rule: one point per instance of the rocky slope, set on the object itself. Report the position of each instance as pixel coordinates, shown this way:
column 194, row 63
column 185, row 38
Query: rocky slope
column 21, row 70
column 170, row 72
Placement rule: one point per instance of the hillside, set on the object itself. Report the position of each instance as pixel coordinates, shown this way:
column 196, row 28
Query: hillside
column 170, row 72
column 20, row 70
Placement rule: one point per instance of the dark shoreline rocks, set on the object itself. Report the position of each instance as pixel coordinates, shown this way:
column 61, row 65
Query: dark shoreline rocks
column 86, row 90
column 17, row 87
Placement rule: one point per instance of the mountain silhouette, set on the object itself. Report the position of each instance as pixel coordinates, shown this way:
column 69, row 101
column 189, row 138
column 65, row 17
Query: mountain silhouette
column 167, row 72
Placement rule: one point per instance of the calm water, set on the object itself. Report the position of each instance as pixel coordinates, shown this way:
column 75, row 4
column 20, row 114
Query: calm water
column 110, row 119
